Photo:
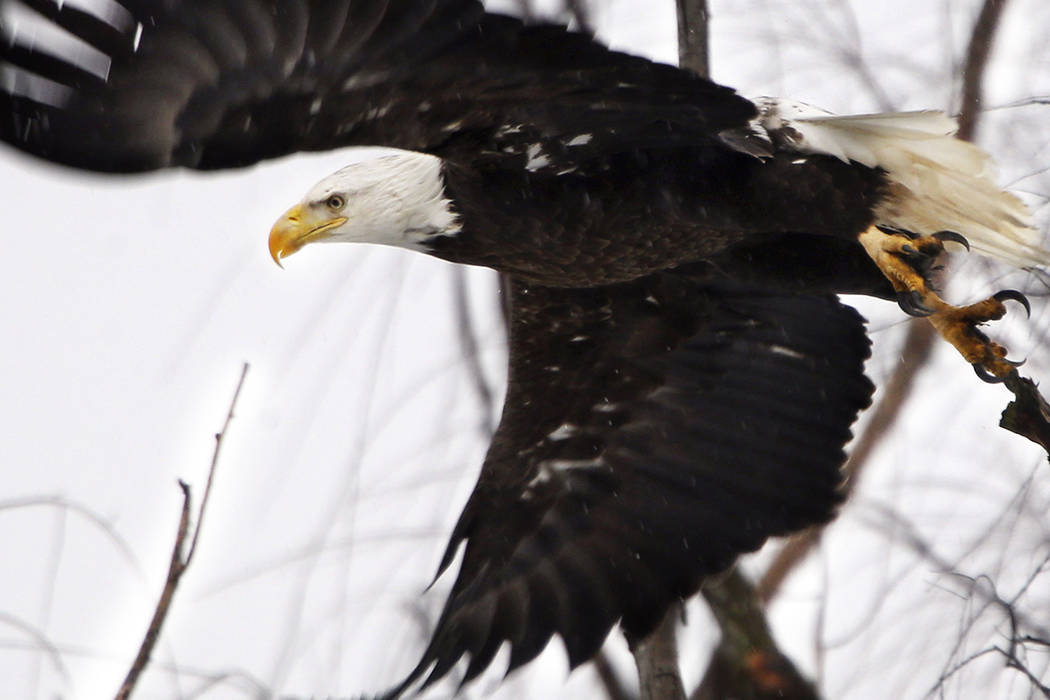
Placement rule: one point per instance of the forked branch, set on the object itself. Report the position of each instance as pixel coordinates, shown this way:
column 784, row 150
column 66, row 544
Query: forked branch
column 179, row 562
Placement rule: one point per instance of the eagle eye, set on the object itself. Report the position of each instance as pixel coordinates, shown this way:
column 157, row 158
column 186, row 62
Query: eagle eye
column 335, row 202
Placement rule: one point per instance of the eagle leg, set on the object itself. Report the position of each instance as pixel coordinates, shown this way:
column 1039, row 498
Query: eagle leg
column 907, row 259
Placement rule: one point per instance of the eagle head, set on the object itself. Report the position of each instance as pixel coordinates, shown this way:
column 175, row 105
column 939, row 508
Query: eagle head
column 396, row 199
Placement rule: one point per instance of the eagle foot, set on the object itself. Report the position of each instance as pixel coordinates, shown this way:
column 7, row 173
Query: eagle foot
column 906, row 259
column 959, row 326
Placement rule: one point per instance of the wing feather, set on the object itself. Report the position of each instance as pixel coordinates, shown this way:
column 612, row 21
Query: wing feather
column 108, row 35
column 225, row 83
column 652, row 432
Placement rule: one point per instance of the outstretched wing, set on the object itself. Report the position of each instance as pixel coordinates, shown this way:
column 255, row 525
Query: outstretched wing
column 652, row 432
column 225, row 83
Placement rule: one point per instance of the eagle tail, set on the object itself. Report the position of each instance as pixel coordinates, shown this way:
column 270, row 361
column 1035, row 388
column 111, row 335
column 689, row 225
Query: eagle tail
column 937, row 182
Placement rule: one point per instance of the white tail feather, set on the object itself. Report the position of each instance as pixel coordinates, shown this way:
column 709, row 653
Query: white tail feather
column 938, row 183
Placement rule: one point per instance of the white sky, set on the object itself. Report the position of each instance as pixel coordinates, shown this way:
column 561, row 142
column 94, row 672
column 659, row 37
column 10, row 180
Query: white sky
column 129, row 305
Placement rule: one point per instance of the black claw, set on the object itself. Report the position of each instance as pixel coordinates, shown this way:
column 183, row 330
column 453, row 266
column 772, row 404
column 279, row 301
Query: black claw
column 911, row 304
column 1014, row 295
column 1014, row 363
column 986, row 376
column 892, row 231
column 943, row 236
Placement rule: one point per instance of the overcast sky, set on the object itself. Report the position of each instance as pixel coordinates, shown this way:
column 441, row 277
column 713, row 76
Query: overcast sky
column 130, row 304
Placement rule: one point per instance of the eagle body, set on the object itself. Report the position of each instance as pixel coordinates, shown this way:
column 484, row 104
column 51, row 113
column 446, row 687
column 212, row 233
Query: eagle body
column 573, row 230
column 682, row 377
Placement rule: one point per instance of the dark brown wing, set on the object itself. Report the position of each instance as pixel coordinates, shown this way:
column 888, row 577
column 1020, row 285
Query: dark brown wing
column 652, row 432
column 225, row 83
column 204, row 82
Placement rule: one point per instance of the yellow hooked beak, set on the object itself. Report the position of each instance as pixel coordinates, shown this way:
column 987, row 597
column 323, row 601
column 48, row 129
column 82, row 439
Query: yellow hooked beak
column 296, row 228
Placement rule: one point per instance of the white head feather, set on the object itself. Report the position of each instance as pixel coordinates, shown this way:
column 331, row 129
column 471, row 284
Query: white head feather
column 396, row 200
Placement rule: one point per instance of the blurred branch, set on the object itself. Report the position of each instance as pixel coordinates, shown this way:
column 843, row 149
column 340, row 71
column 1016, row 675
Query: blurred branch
column 614, row 687
column 851, row 53
column 576, row 10
column 693, row 53
column 747, row 663
column 1026, row 102
column 471, row 353
column 579, row 13
column 657, row 660
column 179, row 563
column 41, row 641
column 1024, row 631
column 93, row 518
column 977, row 52
column 981, row 587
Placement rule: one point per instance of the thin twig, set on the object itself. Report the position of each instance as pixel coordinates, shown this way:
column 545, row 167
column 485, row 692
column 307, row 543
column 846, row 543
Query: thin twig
column 93, row 518
column 179, row 563
column 175, row 570
column 39, row 638
column 468, row 339
column 214, row 462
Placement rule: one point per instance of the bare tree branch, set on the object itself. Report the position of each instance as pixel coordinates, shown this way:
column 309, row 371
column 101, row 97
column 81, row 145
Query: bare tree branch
column 747, row 662
column 693, row 52
column 179, row 563
column 219, row 436
column 160, row 613
column 657, row 659
column 977, row 52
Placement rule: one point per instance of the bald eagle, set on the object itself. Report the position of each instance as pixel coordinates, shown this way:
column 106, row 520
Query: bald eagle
column 682, row 375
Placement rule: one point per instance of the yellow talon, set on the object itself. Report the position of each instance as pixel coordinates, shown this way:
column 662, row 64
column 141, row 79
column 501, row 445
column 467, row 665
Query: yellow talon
column 905, row 260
